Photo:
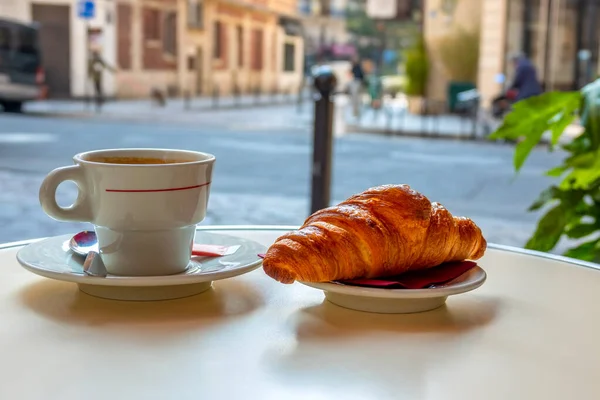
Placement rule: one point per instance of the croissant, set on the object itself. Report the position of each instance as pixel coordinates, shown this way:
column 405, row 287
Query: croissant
column 383, row 231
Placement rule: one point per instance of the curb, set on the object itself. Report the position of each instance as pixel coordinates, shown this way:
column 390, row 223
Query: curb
column 147, row 113
column 427, row 135
column 415, row 134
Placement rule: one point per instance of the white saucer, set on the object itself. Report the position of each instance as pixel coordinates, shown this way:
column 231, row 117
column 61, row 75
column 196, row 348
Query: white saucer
column 52, row 258
column 399, row 301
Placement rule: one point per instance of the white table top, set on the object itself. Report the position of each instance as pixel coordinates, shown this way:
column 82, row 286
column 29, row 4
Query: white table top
column 532, row 331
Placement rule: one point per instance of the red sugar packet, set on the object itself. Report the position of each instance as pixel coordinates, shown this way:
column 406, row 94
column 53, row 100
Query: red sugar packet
column 414, row 279
column 212, row 250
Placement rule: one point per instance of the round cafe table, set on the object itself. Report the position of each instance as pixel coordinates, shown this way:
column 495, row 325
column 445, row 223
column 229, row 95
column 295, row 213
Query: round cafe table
column 532, row 331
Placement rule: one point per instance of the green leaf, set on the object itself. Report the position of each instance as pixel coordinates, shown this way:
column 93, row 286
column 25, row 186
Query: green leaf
column 532, row 117
column 578, row 145
column 595, row 194
column 582, row 178
column 549, row 230
column 587, row 251
column 557, row 171
column 558, row 124
column 581, row 230
column 584, row 160
column 524, row 148
column 544, row 197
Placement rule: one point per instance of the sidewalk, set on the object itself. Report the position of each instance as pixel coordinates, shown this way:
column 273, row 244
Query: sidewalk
column 394, row 119
column 248, row 113
column 126, row 106
column 245, row 113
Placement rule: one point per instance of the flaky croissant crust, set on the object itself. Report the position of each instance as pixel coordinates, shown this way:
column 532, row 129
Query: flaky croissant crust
column 383, row 231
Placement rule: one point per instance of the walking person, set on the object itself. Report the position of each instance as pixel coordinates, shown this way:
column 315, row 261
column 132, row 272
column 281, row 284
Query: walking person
column 356, row 86
column 96, row 67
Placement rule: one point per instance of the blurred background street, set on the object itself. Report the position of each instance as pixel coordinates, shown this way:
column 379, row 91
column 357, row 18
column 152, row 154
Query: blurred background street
column 420, row 85
column 262, row 174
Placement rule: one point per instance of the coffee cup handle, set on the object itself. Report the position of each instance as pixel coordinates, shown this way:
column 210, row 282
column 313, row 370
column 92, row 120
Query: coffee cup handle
column 80, row 210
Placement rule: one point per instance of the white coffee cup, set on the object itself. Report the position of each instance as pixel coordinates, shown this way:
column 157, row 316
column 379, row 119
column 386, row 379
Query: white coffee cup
column 144, row 214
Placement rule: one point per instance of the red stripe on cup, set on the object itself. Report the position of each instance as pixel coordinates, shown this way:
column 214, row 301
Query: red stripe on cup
column 156, row 190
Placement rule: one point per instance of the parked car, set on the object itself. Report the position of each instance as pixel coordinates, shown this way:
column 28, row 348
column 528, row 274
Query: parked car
column 21, row 73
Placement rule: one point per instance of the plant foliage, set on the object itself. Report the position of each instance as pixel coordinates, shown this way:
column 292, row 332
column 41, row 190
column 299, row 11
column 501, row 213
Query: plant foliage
column 417, row 68
column 572, row 204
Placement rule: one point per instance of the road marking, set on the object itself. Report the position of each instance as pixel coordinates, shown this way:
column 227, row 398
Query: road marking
column 263, row 146
column 469, row 159
column 18, row 138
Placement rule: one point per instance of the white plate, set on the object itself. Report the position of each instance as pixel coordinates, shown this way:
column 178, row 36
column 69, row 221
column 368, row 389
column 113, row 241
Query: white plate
column 52, row 258
column 399, row 301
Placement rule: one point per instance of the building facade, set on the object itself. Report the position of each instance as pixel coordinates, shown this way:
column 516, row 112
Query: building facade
column 561, row 37
column 147, row 47
column 441, row 20
column 175, row 46
column 240, row 46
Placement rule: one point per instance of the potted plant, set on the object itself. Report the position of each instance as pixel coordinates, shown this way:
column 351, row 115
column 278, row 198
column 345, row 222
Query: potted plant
column 572, row 204
column 417, row 71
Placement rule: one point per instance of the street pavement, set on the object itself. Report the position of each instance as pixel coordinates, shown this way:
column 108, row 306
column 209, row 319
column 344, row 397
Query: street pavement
column 286, row 110
column 263, row 168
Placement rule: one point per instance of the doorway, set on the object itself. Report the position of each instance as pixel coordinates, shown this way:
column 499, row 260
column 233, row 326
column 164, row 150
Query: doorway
column 55, row 35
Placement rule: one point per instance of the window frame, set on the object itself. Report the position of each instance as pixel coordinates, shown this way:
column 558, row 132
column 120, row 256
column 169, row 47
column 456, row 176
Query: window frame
column 289, row 64
column 153, row 35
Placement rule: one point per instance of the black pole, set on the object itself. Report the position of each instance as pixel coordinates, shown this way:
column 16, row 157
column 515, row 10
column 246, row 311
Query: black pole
column 236, row 95
column 257, row 94
column 215, row 96
column 325, row 82
column 300, row 94
column 186, row 99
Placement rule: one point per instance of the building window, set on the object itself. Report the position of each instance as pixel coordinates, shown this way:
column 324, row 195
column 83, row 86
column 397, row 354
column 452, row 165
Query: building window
column 240, row 46
column 289, row 57
column 195, row 14
column 151, row 24
column 218, row 40
column 170, row 33
column 257, row 50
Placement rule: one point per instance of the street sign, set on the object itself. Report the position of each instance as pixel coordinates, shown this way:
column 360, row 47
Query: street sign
column 381, row 9
column 86, row 9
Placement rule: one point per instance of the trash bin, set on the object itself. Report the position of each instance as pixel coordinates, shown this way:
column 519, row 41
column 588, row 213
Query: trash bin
column 454, row 88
